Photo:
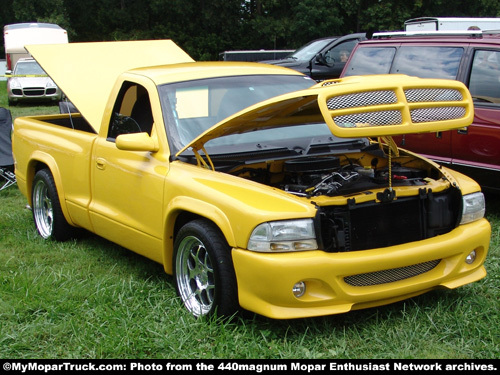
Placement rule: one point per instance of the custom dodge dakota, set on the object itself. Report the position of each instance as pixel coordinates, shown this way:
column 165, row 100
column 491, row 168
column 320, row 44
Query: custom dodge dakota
column 257, row 188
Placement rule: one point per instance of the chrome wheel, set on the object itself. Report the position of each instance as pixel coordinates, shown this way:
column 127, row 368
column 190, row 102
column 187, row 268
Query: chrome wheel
column 42, row 209
column 47, row 213
column 195, row 276
column 203, row 268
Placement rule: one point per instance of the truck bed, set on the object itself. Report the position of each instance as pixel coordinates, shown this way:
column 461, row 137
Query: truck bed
column 64, row 144
column 73, row 121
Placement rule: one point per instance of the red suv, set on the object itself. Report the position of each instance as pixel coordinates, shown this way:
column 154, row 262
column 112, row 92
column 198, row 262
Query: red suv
column 472, row 57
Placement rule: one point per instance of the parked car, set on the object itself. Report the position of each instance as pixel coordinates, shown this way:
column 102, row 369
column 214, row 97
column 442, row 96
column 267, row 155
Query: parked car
column 472, row 57
column 29, row 83
column 322, row 58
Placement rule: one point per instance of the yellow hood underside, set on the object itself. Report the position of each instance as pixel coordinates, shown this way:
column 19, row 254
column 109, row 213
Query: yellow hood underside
column 358, row 106
column 87, row 72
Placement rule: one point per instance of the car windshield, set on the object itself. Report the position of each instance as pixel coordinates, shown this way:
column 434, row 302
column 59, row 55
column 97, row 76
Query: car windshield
column 419, row 61
column 192, row 107
column 28, row 67
column 310, row 50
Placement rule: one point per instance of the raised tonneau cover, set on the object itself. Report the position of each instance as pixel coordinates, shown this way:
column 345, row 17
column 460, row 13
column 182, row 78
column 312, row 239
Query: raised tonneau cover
column 87, row 72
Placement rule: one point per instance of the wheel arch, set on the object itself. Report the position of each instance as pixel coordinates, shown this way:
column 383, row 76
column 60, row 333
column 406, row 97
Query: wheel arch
column 183, row 210
column 39, row 161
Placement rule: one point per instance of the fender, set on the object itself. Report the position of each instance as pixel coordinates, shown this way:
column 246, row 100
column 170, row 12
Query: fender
column 197, row 207
column 39, row 157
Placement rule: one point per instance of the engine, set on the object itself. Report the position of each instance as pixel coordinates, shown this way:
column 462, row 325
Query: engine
column 310, row 177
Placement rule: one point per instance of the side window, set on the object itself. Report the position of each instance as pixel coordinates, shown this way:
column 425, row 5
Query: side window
column 132, row 112
column 371, row 60
column 428, row 62
column 484, row 82
column 340, row 53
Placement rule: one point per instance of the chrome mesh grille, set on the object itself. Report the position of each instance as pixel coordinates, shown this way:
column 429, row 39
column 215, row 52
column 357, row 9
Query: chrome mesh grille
column 392, row 275
column 432, row 95
column 361, row 99
column 369, row 118
column 436, row 114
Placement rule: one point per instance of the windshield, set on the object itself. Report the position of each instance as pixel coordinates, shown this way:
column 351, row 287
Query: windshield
column 311, row 49
column 192, row 107
column 419, row 61
column 28, row 67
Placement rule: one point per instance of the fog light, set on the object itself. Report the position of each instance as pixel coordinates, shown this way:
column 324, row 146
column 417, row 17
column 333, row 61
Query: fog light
column 471, row 257
column 299, row 289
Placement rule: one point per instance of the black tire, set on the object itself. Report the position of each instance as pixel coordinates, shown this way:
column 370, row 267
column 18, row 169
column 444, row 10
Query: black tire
column 203, row 271
column 47, row 214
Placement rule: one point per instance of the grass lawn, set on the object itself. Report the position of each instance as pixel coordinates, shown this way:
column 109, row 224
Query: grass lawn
column 89, row 298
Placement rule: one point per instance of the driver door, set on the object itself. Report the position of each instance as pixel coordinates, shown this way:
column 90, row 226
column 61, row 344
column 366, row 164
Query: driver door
column 127, row 186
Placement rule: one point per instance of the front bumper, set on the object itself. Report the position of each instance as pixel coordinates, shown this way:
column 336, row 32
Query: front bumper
column 265, row 281
column 34, row 94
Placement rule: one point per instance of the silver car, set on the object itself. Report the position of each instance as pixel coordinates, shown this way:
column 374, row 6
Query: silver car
column 29, row 83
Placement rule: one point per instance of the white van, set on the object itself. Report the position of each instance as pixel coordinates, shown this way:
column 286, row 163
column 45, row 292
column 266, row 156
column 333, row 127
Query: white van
column 451, row 23
column 18, row 35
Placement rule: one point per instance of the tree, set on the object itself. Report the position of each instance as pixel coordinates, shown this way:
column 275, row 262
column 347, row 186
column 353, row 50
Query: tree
column 49, row 11
column 204, row 28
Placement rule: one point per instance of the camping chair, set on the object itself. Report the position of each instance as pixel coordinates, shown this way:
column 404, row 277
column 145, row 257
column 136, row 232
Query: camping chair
column 7, row 176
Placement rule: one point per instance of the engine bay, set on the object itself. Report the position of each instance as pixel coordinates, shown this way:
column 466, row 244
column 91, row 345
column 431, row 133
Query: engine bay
column 334, row 175
column 326, row 176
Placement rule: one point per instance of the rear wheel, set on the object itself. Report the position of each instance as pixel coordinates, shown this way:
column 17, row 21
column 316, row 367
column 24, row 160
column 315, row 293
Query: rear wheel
column 47, row 214
column 204, row 272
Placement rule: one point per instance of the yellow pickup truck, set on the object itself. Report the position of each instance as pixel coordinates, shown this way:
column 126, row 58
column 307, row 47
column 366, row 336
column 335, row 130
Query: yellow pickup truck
column 256, row 187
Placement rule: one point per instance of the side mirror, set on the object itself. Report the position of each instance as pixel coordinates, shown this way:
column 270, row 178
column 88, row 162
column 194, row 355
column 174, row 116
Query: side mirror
column 136, row 142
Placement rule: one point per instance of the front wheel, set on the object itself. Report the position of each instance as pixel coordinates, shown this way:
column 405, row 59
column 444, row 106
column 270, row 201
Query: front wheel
column 203, row 269
column 47, row 214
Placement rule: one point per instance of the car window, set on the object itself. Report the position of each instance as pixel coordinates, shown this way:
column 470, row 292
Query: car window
column 419, row 61
column 340, row 53
column 28, row 67
column 428, row 62
column 131, row 113
column 310, row 50
column 484, row 83
column 371, row 60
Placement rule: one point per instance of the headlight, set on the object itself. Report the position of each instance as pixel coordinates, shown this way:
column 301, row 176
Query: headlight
column 474, row 207
column 14, row 83
column 50, row 84
column 286, row 235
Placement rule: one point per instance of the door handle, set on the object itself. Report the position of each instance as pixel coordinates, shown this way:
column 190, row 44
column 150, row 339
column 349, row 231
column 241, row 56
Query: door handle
column 100, row 163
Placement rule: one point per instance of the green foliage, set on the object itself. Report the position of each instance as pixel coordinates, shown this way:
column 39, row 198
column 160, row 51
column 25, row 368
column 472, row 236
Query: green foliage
column 204, row 28
column 50, row 11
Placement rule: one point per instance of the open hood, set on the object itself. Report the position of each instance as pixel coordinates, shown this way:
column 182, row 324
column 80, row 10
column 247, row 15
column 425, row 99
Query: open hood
column 363, row 106
column 87, row 72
